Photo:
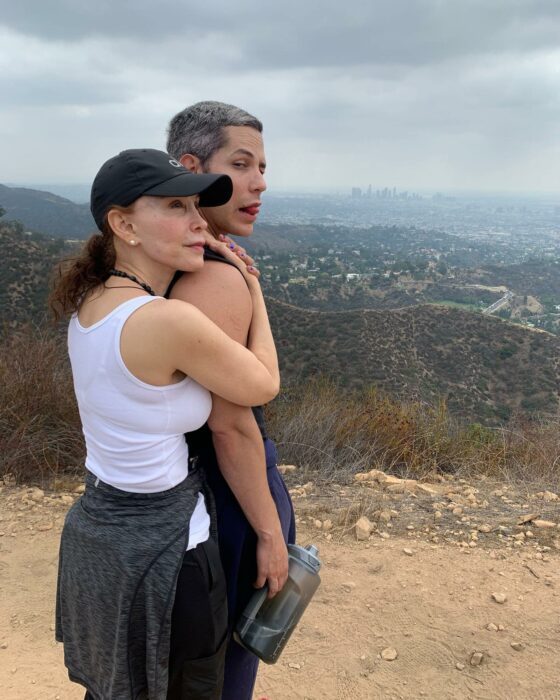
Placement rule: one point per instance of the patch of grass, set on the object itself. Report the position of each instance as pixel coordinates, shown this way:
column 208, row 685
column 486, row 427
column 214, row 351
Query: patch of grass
column 40, row 431
column 333, row 434
column 328, row 431
column 456, row 305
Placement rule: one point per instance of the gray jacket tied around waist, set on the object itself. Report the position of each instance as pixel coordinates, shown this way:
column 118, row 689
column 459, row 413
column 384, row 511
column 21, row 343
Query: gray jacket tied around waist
column 120, row 555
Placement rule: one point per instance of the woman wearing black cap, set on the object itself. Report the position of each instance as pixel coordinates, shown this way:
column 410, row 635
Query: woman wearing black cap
column 141, row 596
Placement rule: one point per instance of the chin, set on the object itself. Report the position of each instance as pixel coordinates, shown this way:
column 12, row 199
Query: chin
column 242, row 232
column 241, row 229
column 192, row 265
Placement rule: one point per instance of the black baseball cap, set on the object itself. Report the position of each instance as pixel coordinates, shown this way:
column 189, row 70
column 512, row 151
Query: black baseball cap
column 139, row 171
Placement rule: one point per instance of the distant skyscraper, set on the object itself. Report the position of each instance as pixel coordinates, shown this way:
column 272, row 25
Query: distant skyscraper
column 356, row 192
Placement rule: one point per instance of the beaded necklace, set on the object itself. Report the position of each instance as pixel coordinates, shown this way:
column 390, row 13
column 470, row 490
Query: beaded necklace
column 132, row 278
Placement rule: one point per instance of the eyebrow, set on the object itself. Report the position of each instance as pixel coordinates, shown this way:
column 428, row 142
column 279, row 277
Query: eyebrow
column 245, row 152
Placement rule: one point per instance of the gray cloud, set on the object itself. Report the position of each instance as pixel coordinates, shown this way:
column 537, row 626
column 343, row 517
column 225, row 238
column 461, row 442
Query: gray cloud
column 312, row 33
column 424, row 92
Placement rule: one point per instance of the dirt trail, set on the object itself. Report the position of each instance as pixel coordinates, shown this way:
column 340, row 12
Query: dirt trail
column 432, row 604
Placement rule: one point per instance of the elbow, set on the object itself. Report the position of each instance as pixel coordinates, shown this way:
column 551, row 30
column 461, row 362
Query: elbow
column 275, row 390
column 268, row 391
column 258, row 388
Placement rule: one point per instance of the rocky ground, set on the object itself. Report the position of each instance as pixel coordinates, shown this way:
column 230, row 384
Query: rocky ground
column 443, row 589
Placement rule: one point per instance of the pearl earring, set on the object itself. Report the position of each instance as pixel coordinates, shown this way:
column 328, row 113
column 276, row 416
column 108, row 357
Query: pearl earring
column 132, row 241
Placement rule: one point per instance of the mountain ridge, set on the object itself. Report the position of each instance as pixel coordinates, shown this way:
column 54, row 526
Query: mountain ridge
column 42, row 211
column 482, row 366
column 485, row 369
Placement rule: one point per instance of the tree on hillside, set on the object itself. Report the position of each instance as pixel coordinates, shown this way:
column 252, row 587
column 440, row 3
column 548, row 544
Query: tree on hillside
column 2, row 212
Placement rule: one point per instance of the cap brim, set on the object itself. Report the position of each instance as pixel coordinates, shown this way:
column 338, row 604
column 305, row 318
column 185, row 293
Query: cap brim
column 214, row 190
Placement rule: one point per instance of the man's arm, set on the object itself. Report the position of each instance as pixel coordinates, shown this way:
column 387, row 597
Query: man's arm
column 240, row 452
column 220, row 292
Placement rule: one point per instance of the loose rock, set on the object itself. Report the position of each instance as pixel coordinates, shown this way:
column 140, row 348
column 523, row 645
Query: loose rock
column 544, row 524
column 548, row 496
column 363, row 528
column 36, row 494
column 389, row 654
column 517, row 646
column 527, row 518
column 476, row 658
column 286, row 468
column 499, row 597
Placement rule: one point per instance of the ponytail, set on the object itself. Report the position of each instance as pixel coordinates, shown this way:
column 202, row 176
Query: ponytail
column 76, row 276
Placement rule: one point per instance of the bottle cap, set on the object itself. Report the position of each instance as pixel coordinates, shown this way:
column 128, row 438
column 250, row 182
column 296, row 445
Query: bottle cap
column 307, row 556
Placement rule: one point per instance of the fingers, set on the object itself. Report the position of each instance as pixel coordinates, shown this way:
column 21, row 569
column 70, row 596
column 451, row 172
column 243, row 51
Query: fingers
column 273, row 587
column 238, row 250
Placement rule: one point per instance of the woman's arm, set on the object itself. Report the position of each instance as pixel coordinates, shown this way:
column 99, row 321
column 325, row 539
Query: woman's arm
column 196, row 346
column 163, row 337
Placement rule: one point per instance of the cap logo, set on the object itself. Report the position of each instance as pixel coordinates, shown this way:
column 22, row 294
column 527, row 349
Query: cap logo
column 175, row 163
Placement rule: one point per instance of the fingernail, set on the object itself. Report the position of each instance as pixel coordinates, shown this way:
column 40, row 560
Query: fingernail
column 232, row 246
column 222, row 237
column 241, row 255
column 250, row 268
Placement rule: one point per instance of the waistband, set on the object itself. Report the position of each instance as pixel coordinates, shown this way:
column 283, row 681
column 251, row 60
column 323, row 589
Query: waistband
column 193, row 482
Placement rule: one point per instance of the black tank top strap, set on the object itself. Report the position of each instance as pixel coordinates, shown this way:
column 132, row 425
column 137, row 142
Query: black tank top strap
column 209, row 254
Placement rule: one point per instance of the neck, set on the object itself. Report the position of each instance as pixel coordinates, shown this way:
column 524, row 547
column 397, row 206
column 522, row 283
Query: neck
column 158, row 279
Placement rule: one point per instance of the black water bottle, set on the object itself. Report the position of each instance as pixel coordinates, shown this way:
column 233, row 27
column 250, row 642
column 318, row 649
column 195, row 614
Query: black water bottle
column 266, row 624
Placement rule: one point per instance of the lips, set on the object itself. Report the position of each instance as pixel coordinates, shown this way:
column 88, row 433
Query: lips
column 252, row 209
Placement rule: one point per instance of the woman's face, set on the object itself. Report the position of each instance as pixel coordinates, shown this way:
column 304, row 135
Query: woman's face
column 242, row 158
column 169, row 231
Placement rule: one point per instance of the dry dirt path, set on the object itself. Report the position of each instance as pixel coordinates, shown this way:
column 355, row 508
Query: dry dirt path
column 432, row 604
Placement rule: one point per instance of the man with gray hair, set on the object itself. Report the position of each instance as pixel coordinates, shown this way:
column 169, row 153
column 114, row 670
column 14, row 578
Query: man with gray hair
column 255, row 514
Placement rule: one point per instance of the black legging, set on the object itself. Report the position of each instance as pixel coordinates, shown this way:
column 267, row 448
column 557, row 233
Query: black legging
column 198, row 627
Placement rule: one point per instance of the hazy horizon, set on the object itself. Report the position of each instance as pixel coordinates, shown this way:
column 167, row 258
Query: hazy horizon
column 59, row 188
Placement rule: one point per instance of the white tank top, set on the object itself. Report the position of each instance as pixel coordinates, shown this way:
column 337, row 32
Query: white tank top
column 134, row 431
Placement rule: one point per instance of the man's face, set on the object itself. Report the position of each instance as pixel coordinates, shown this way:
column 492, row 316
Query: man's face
column 242, row 158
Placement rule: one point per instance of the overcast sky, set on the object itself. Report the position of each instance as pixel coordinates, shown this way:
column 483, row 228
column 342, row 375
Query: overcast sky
column 417, row 94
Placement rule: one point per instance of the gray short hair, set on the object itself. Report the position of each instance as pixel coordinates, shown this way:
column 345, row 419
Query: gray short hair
column 199, row 129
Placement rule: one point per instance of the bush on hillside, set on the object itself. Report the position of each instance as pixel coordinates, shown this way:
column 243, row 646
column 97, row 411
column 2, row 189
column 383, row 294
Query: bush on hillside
column 327, row 430
column 40, row 431
column 334, row 434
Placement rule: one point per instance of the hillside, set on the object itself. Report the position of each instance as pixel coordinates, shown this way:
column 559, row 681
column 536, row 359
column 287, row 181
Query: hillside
column 537, row 277
column 25, row 269
column 46, row 212
column 484, row 367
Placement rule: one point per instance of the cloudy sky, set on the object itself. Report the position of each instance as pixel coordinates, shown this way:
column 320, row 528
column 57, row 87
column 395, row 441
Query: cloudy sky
column 417, row 94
